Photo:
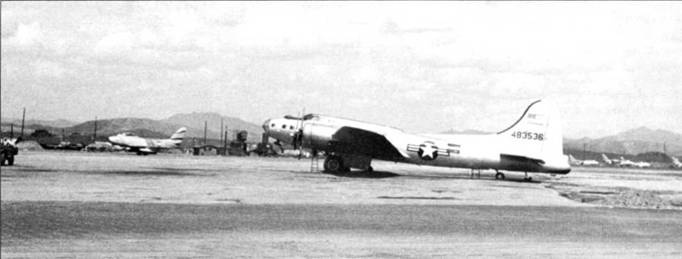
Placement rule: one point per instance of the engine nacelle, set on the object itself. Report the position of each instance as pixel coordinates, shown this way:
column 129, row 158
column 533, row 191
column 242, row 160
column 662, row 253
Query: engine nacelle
column 317, row 135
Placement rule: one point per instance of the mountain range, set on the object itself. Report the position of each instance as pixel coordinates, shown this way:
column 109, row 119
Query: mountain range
column 194, row 122
column 60, row 123
column 631, row 142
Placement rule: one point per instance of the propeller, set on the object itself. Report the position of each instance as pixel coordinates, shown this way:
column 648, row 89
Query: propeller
column 298, row 136
column 279, row 144
column 290, row 117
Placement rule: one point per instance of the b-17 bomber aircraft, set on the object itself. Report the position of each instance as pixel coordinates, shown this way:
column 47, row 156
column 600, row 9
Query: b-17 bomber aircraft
column 532, row 144
column 144, row 146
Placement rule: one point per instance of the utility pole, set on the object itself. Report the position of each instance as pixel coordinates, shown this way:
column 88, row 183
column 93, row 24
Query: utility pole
column 664, row 151
column 23, row 117
column 95, row 134
column 584, row 144
column 205, row 127
column 221, row 130
column 225, row 141
column 11, row 130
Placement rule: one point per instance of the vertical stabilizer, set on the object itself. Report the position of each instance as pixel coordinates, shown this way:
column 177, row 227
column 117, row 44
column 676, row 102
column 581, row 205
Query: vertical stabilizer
column 536, row 134
column 179, row 134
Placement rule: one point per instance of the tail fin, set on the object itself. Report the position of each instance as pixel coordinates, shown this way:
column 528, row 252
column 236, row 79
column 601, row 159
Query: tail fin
column 537, row 133
column 572, row 159
column 606, row 159
column 179, row 134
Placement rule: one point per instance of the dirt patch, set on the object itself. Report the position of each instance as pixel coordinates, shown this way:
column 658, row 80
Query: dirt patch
column 616, row 197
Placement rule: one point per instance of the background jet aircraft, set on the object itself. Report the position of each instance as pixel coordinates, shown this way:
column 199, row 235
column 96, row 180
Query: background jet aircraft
column 144, row 146
column 627, row 163
column 622, row 162
column 607, row 160
column 676, row 162
column 575, row 161
column 532, row 144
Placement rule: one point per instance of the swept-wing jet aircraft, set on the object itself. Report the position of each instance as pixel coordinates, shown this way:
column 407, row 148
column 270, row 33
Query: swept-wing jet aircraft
column 676, row 162
column 627, row 163
column 144, row 146
column 532, row 144
column 575, row 161
column 607, row 160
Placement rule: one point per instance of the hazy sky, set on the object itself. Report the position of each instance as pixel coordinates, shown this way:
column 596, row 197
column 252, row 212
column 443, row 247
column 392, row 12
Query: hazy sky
column 423, row 67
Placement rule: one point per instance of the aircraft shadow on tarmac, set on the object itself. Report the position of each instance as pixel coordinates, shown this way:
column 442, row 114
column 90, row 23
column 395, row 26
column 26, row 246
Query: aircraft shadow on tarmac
column 160, row 171
column 426, row 176
column 364, row 174
column 154, row 171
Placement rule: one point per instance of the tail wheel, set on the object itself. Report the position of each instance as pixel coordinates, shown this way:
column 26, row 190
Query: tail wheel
column 499, row 176
column 333, row 164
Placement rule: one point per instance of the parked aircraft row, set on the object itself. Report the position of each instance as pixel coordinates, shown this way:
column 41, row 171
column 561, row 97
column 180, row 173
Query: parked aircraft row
column 622, row 162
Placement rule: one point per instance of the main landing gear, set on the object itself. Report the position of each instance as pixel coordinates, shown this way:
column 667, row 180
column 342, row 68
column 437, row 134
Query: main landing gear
column 335, row 163
column 528, row 178
column 499, row 175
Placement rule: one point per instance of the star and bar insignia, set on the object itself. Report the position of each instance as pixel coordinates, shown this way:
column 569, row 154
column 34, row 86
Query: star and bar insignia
column 429, row 151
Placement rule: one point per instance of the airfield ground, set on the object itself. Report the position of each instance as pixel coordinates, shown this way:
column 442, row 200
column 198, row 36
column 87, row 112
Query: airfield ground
column 77, row 204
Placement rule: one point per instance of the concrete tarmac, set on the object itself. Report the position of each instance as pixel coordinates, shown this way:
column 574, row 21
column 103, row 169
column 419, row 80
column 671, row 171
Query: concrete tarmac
column 115, row 205
column 95, row 229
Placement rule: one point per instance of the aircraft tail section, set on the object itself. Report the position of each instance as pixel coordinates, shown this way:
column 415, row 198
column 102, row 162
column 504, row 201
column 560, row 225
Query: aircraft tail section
column 676, row 162
column 606, row 159
column 536, row 134
column 179, row 134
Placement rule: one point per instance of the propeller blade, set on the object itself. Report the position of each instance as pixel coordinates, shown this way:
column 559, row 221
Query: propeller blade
column 290, row 117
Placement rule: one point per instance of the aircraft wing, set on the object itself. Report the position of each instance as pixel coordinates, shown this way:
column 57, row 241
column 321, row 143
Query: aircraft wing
column 365, row 142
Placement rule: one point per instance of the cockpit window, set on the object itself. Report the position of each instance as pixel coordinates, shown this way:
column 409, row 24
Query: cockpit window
column 128, row 134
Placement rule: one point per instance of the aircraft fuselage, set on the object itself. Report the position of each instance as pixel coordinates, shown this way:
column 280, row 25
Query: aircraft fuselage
column 336, row 136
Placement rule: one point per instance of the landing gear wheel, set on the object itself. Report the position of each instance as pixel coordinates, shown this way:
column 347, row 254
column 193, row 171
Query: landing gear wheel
column 333, row 164
column 499, row 176
column 10, row 160
column 527, row 178
column 370, row 169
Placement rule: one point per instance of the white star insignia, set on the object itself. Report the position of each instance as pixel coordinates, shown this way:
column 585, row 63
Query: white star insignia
column 427, row 151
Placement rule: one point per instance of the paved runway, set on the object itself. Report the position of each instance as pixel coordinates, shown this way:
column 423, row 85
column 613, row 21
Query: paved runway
column 129, row 229
column 115, row 205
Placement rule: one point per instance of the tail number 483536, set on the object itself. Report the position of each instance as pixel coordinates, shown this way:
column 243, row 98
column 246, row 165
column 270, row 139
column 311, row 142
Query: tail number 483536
column 528, row 135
